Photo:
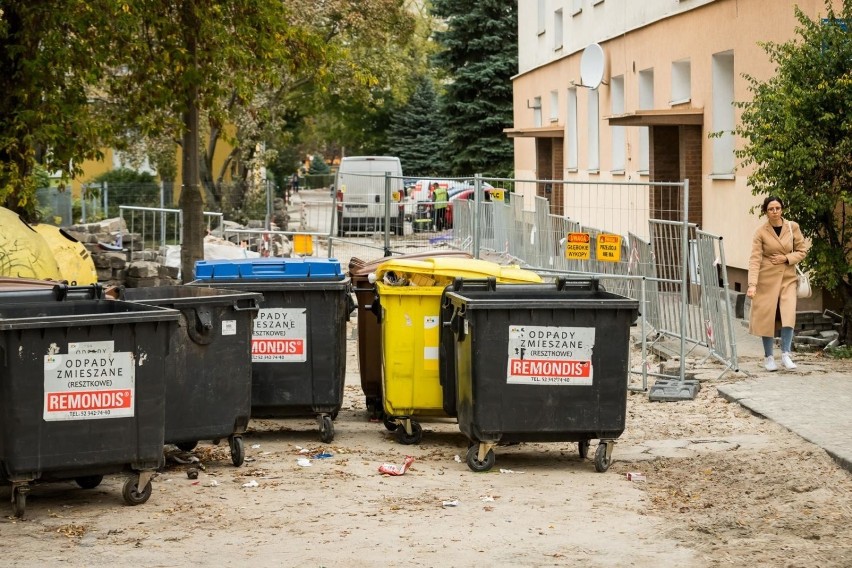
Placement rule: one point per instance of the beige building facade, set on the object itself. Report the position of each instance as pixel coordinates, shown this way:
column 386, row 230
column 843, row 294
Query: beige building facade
column 664, row 75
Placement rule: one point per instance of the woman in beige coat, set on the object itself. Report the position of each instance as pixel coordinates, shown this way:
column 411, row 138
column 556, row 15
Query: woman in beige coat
column 776, row 247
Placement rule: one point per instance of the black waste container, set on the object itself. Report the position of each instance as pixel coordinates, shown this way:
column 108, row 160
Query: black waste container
column 208, row 386
column 25, row 290
column 299, row 339
column 81, row 393
column 541, row 363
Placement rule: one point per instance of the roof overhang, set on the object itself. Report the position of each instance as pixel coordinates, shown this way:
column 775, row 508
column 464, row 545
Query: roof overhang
column 659, row 117
column 539, row 132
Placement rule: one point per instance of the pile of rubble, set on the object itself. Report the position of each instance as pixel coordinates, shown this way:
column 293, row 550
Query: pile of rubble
column 119, row 256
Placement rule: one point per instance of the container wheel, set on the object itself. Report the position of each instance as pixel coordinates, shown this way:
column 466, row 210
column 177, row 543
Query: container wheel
column 415, row 437
column 19, row 501
column 131, row 493
column 390, row 424
column 89, row 481
column 583, row 449
column 601, row 461
column 238, row 450
column 327, row 430
column 473, row 459
column 187, row 446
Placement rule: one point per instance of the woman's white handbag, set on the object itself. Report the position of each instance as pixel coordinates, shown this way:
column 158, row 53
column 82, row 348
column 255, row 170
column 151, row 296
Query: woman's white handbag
column 803, row 289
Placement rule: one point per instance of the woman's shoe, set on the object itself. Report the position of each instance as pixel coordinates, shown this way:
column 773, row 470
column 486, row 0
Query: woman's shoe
column 787, row 362
column 769, row 364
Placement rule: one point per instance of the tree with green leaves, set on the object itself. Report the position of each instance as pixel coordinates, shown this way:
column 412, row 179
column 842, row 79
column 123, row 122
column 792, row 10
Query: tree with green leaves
column 52, row 55
column 418, row 132
column 479, row 56
column 798, row 137
column 183, row 60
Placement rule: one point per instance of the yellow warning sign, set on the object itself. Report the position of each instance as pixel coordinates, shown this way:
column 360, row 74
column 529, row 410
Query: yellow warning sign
column 577, row 246
column 609, row 248
column 497, row 195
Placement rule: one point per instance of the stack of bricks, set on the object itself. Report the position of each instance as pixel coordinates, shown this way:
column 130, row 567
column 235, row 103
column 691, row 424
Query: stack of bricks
column 131, row 266
column 816, row 329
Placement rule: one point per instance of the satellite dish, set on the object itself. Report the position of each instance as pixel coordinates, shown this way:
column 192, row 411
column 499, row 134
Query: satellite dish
column 592, row 66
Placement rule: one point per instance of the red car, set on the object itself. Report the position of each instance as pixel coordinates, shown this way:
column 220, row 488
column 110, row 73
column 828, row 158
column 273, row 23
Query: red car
column 468, row 194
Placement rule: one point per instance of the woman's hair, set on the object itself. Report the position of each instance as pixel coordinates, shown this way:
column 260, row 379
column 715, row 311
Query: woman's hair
column 769, row 200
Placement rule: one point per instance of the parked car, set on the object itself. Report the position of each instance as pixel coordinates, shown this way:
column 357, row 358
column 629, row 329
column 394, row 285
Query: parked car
column 491, row 192
column 360, row 194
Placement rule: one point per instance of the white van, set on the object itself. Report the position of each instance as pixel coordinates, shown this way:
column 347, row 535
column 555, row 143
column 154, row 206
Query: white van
column 361, row 194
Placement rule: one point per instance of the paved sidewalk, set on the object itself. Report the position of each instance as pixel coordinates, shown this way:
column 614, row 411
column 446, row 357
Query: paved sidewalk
column 814, row 403
column 816, row 407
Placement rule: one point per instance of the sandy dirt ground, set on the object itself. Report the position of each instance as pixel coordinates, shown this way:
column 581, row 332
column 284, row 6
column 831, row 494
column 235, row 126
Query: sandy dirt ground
column 723, row 488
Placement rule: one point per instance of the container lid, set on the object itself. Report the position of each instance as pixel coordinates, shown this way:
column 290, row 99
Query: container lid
column 580, row 294
column 358, row 267
column 269, row 269
column 188, row 296
column 442, row 268
column 80, row 313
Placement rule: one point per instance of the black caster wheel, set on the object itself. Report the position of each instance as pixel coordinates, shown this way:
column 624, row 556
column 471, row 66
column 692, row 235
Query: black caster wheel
column 473, row 459
column 132, row 495
column 327, row 430
column 19, row 501
column 238, row 450
column 187, row 446
column 390, row 424
column 601, row 461
column 89, row 481
column 583, row 449
column 415, row 437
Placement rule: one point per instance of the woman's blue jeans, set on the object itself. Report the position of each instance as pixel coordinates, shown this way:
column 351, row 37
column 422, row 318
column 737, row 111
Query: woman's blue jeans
column 786, row 342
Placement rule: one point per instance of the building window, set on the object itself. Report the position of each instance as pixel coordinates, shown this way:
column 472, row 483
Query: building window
column 646, row 102
column 616, row 108
column 554, row 106
column 576, row 7
column 594, row 131
column 681, row 82
column 571, row 161
column 541, row 17
column 723, row 113
column 537, row 112
column 557, row 29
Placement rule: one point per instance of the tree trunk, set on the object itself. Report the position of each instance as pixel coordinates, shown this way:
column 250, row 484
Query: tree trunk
column 846, row 327
column 191, row 203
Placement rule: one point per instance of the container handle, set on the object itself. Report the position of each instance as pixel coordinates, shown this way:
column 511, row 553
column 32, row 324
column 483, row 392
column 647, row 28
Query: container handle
column 252, row 307
column 199, row 324
column 376, row 308
column 489, row 284
column 563, row 283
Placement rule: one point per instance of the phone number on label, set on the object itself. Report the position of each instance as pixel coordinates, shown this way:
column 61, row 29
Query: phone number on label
column 84, row 413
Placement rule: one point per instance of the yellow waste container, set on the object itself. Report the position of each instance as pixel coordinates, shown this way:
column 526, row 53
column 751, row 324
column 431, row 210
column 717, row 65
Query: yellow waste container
column 73, row 259
column 410, row 301
column 23, row 252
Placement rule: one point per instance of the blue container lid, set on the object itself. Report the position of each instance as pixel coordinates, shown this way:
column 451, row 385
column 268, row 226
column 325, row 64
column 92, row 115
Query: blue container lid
column 269, row 269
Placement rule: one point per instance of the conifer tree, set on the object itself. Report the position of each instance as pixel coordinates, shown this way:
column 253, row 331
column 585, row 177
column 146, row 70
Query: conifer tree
column 479, row 56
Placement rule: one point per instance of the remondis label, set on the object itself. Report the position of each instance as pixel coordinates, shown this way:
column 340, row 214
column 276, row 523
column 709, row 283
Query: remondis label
column 84, row 386
column 280, row 335
column 541, row 355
